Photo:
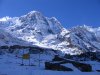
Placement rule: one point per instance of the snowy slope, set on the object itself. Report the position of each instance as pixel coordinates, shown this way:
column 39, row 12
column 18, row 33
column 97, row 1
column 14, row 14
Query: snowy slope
column 84, row 39
column 96, row 31
column 7, row 39
column 49, row 33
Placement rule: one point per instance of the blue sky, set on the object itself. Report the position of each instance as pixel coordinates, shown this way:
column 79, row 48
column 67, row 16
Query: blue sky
column 69, row 12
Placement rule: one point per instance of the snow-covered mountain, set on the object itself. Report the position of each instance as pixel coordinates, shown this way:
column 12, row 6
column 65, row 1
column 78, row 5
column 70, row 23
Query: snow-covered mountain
column 6, row 39
column 49, row 33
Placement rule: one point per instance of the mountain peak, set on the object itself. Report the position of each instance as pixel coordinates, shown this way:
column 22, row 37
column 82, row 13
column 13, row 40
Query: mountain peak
column 36, row 23
column 34, row 12
column 54, row 18
column 5, row 18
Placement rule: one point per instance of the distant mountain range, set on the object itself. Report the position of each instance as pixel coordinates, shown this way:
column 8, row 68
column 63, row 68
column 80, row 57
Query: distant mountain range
column 36, row 29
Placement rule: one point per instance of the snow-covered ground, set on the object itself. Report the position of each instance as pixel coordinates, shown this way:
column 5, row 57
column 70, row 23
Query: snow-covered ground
column 11, row 65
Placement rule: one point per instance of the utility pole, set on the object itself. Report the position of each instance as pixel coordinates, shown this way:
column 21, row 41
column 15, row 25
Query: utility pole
column 39, row 58
column 22, row 57
column 29, row 58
